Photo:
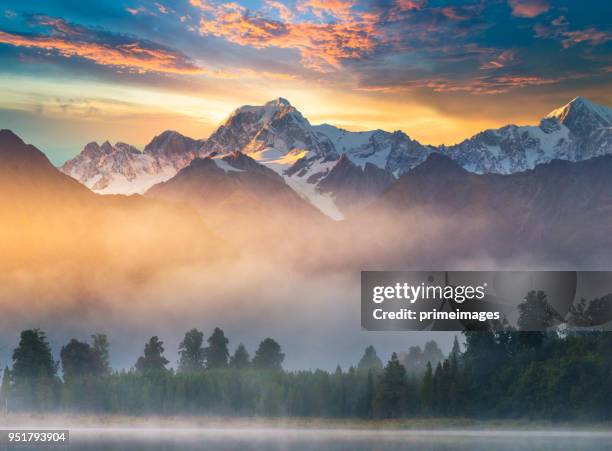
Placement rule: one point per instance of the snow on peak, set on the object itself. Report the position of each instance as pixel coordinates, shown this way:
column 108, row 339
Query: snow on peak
column 580, row 105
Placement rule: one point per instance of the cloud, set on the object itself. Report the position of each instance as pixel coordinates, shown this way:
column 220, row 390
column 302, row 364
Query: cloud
column 501, row 60
column 120, row 51
column 409, row 5
column 590, row 35
column 340, row 9
column 560, row 30
column 283, row 11
column 321, row 45
column 528, row 8
column 486, row 85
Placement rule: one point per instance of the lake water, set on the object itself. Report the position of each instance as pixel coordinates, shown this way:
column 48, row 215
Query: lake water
column 322, row 440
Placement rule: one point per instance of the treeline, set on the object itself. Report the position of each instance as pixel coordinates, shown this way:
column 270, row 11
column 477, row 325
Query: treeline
column 498, row 373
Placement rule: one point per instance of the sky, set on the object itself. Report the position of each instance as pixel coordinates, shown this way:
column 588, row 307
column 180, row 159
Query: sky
column 72, row 72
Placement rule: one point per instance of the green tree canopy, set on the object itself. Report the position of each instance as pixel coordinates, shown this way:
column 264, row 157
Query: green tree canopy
column 191, row 352
column 241, row 358
column 217, row 354
column 100, row 348
column 32, row 359
column 370, row 360
column 393, row 385
column 269, row 355
column 153, row 359
column 535, row 313
column 78, row 360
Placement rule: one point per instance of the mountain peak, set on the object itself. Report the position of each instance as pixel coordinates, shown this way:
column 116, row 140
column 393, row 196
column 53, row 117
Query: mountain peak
column 8, row 138
column 280, row 102
column 13, row 150
column 580, row 106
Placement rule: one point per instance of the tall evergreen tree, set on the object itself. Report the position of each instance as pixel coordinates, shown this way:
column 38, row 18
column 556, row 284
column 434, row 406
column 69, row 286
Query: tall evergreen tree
column 369, row 360
column 153, row 359
column 366, row 402
column 191, row 352
column 100, row 348
column 456, row 351
column 34, row 372
column 535, row 313
column 240, row 359
column 269, row 355
column 78, row 360
column 32, row 358
column 393, row 386
column 427, row 390
column 217, row 354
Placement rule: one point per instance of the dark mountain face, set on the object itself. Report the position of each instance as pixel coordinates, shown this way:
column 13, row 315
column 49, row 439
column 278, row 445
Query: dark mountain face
column 354, row 187
column 242, row 200
column 558, row 213
column 49, row 219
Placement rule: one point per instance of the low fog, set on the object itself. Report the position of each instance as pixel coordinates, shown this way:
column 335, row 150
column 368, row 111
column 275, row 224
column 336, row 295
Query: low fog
column 134, row 267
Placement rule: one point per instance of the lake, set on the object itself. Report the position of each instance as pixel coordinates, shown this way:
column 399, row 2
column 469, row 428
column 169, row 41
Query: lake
column 270, row 439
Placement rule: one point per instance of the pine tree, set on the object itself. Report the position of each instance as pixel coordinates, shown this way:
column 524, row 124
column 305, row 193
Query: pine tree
column 456, row 351
column 34, row 373
column 78, row 360
column 269, row 356
column 152, row 360
column 217, row 354
column 393, row 385
column 100, row 347
column 370, row 360
column 191, row 352
column 427, row 390
column 240, row 359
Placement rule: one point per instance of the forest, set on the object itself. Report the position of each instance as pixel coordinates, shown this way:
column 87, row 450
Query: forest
column 497, row 372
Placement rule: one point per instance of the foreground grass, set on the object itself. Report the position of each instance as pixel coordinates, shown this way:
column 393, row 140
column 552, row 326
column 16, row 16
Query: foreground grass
column 120, row 421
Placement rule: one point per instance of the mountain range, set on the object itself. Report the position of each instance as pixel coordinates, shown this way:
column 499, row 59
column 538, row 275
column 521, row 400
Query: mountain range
column 543, row 191
column 340, row 171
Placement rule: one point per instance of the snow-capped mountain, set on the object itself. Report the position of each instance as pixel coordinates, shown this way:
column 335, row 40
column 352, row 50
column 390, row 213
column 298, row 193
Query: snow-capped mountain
column 336, row 170
column 578, row 131
column 278, row 136
column 124, row 169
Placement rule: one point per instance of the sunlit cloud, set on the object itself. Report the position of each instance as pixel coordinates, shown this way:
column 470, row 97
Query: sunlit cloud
column 590, row 35
column 488, row 85
column 102, row 48
column 340, row 9
column 528, row 8
column 321, row 45
column 503, row 59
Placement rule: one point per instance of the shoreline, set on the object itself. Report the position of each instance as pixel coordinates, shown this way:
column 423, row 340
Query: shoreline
column 219, row 423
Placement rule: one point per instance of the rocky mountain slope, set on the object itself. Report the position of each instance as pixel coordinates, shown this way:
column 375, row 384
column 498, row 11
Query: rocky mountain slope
column 51, row 222
column 339, row 171
column 123, row 169
column 557, row 213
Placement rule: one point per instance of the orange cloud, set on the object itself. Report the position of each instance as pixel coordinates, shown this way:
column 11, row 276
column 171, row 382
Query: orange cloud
column 505, row 58
column 321, row 45
column 125, row 53
column 590, row 35
column 408, row 5
column 528, row 8
column 131, row 55
column 478, row 86
column 336, row 8
column 285, row 13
